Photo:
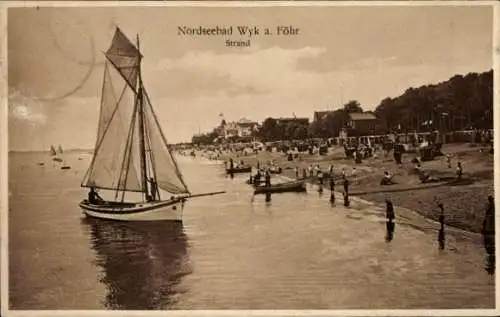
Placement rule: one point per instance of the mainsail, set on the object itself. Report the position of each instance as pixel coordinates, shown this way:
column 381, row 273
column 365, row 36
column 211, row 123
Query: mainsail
column 53, row 150
column 131, row 151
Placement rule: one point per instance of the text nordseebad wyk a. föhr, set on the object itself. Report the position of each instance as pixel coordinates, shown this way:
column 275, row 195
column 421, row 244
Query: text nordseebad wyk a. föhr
column 238, row 36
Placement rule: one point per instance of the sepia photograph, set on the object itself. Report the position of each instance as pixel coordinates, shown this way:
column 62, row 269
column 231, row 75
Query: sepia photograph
column 263, row 156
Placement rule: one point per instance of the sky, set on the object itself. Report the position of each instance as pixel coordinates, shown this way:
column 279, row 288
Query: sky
column 341, row 53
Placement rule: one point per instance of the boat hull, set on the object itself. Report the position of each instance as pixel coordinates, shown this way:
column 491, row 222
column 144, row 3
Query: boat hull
column 239, row 170
column 281, row 188
column 168, row 210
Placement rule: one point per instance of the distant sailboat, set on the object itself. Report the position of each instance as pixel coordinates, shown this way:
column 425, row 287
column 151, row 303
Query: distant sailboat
column 131, row 153
column 53, row 153
column 59, row 149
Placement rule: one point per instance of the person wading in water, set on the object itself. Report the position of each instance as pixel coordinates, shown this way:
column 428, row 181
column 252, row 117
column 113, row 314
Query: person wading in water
column 231, row 167
column 441, row 238
column 460, row 170
column 390, row 216
column 346, row 184
column 346, row 191
column 332, row 188
column 268, row 179
column 488, row 232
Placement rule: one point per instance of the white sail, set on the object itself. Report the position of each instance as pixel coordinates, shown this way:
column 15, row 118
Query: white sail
column 125, row 57
column 113, row 146
column 130, row 147
column 168, row 176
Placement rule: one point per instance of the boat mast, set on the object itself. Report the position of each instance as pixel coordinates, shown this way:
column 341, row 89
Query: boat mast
column 140, row 109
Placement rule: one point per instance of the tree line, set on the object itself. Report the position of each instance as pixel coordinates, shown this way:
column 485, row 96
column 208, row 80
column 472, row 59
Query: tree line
column 462, row 102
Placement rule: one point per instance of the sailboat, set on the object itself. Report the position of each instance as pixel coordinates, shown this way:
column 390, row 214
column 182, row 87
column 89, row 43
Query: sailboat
column 59, row 149
column 54, row 155
column 131, row 154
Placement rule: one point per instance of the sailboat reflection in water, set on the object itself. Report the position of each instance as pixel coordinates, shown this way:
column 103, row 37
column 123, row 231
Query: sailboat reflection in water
column 131, row 153
column 142, row 263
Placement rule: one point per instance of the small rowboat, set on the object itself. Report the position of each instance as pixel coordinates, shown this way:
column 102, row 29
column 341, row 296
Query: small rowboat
column 236, row 170
column 293, row 186
column 253, row 182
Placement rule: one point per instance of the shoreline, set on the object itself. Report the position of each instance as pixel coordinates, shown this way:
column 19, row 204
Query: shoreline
column 403, row 214
column 464, row 202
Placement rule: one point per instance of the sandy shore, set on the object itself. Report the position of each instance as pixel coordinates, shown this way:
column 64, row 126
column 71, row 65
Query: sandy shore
column 464, row 203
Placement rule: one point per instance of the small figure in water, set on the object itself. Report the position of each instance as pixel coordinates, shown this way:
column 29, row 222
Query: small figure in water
column 441, row 238
column 389, row 215
column 488, row 232
column 332, row 188
column 460, row 170
column 268, row 179
column 94, row 197
column 488, row 229
column 346, row 185
column 256, row 178
column 296, row 172
column 346, row 199
column 389, row 210
column 231, row 168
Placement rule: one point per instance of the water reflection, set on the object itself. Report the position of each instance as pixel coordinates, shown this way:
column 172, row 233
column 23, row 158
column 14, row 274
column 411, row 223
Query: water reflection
column 142, row 263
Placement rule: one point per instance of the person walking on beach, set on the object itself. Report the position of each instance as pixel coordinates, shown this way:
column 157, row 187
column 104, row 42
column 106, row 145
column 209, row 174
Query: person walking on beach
column 304, row 173
column 296, row 172
column 441, row 238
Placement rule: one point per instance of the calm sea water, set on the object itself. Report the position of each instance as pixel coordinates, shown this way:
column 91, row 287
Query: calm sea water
column 231, row 252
